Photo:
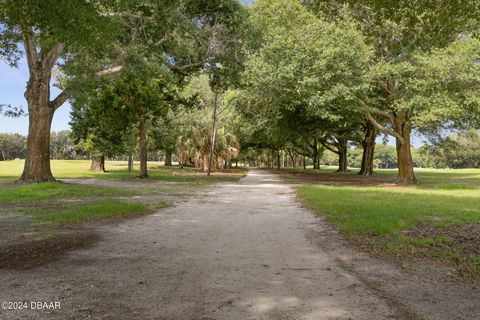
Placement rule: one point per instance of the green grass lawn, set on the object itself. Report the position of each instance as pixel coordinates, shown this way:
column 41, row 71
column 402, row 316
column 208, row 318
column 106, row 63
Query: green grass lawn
column 388, row 211
column 49, row 190
column 86, row 211
column 117, row 170
column 388, row 217
column 69, row 203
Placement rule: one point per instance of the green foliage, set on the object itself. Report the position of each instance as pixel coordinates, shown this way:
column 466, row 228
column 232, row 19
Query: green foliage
column 302, row 78
column 195, row 126
column 461, row 150
column 12, row 146
column 77, row 24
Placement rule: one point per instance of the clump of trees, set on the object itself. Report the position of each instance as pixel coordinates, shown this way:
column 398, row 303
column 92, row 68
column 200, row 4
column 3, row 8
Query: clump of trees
column 12, row 146
column 458, row 150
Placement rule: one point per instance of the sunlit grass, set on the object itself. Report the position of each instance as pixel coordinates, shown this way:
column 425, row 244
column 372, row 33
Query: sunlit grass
column 49, row 190
column 382, row 216
column 116, row 170
column 86, row 211
column 388, row 211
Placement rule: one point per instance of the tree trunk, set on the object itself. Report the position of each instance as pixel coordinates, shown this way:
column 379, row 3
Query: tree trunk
column 316, row 160
column 142, row 139
column 293, row 159
column 278, row 159
column 368, row 144
column 214, row 133
column 304, row 162
column 403, row 126
column 130, row 160
column 98, row 164
column 342, row 155
column 168, row 158
column 40, row 115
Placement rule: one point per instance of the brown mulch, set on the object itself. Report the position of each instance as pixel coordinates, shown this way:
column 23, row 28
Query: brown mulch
column 465, row 237
column 334, row 178
column 33, row 252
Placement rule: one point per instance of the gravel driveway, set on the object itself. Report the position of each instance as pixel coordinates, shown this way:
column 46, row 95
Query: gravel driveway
column 242, row 250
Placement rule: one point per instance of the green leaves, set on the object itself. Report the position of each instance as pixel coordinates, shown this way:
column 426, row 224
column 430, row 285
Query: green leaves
column 306, row 72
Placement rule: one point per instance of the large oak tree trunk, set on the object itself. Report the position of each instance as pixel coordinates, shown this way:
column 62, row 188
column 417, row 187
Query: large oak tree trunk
column 368, row 144
column 40, row 115
column 98, row 164
column 142, row 137
column 168, row 158
column 403, row 126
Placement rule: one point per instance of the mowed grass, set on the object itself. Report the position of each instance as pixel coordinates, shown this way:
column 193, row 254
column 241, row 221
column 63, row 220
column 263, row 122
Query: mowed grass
column 87, row 212
column 49, row 190
column 116, row 170
column 70, row 203
column 388, row 211
column 396, row 220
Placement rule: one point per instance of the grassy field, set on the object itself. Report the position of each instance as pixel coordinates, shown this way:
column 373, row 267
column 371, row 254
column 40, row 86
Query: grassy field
column 117, row 170
column 47, row 202
column 438, row 218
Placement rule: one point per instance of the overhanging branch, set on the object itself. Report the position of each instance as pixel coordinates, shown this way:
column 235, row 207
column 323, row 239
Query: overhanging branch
column 110, row 71
column 59, row 100
column 383, row 128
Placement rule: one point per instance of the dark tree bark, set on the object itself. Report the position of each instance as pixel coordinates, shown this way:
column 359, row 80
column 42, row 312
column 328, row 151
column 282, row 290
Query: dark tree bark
column 315, row 155
column 168, row 158
column 316, row 162
column 142, row 139
column 342, row 155
column 304, row 162
column 98, row 164
column 368, row 143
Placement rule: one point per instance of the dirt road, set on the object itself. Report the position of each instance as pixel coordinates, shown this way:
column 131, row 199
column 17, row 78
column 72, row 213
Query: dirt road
column 244, row 250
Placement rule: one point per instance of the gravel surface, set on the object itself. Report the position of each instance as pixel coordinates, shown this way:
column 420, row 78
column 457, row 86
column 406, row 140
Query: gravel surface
column 242, row 250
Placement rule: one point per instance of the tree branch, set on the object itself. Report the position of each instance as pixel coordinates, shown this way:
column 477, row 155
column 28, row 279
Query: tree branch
column 382, row 128
column 384, row 86
column 51, row 57
column 184, row 67
column 110, row 71
column 30, row 50
column 329, row 148
column 59, row 100
column 365, row 107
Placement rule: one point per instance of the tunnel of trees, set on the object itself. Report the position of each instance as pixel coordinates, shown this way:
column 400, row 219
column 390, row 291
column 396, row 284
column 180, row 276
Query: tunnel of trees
column 213, row 83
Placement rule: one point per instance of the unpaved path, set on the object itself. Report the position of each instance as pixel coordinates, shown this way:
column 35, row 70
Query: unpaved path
column 243, row 250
